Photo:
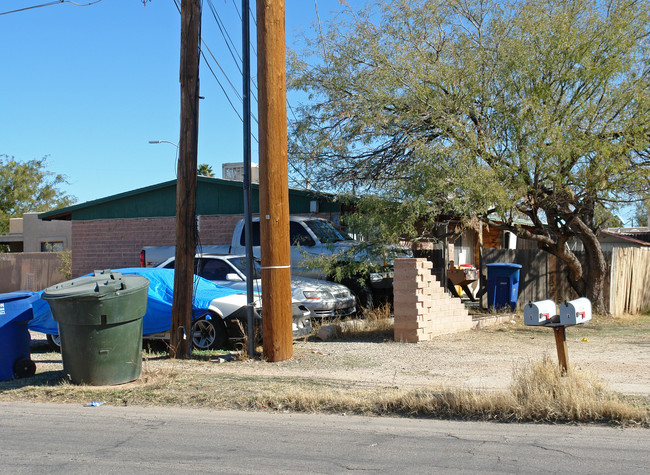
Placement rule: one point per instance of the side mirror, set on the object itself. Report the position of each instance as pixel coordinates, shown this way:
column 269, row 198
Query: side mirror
column 232, row 277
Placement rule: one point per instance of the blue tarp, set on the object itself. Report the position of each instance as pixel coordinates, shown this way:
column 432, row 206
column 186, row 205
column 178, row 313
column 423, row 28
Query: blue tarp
column 159, row 303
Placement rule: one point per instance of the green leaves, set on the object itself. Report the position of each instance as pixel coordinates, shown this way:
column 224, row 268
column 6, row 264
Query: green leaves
column 28, row 186
column 205, row 170
column 461, row 107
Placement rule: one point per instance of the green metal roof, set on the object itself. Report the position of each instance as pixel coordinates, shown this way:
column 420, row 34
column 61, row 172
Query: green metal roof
column 215, row 196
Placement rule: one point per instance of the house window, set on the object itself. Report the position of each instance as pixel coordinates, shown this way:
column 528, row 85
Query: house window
column 51, row 246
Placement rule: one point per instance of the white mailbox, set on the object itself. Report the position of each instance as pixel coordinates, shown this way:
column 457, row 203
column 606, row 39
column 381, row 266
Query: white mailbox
column 576, row 311
column 539, row 313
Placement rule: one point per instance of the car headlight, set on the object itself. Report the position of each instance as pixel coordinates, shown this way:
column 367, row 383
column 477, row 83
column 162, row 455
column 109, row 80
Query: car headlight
column 317, row 295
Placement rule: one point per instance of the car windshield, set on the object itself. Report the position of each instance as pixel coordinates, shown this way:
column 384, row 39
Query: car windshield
column 325, row 232
column 240, row 264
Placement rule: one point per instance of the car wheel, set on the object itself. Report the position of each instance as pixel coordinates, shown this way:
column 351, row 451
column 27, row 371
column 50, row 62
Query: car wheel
column 55, row 342
column 209, row 333
column 361, row 292
column 24, row 368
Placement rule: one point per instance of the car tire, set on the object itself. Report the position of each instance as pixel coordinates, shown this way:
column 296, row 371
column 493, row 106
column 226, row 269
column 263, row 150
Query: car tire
column 362, row 293
column 209, row 333
column 55, row 342
column 24, row 368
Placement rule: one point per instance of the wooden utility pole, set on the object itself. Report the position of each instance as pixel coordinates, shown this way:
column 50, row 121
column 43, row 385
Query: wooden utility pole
column 181, row 327
column 274, row 182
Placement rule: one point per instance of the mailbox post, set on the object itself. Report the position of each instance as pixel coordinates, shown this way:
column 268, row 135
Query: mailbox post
column 560, row 344
column 543, row 313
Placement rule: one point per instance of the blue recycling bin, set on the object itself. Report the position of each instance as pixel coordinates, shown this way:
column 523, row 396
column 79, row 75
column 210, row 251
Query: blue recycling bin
column 503, row 284
column 15, row 357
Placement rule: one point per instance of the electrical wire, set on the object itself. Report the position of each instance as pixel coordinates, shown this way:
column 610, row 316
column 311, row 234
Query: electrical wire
column 223, row 89
column 232, row 86
column 241, row 19
column 226, row 36
column 56, row 2
column 234, row 53
column 236, row 56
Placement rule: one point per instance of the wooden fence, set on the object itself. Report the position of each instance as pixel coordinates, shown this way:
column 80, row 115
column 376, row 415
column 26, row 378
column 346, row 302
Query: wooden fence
column 29, row 271
column 630, row 281
column 543, row 276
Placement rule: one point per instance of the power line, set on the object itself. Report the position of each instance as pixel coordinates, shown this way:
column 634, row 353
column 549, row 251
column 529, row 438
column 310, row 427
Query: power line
column 241, row 19
column 238, row 61
column 226, row 37
column 223, row 89
column 222, row 71
column 56, row 2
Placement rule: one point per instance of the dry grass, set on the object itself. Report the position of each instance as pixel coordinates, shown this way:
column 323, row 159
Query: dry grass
column 541, row 393
column 623, row 326
column 377, row 324
column 538, row 393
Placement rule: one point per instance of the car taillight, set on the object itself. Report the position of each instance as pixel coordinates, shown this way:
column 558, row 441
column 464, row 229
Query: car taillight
column 142, row 258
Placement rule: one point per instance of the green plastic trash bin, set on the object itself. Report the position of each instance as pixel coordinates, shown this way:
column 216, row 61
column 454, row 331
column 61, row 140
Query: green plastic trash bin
column 100, row 325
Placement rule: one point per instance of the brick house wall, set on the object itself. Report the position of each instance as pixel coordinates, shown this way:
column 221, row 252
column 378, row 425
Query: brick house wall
column 115, row 243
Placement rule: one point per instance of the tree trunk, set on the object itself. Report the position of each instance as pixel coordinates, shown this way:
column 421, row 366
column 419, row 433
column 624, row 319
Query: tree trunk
column 594, row 271
column 588, row 279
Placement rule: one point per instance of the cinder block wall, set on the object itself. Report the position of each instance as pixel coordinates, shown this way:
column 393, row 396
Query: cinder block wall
column 422, row 308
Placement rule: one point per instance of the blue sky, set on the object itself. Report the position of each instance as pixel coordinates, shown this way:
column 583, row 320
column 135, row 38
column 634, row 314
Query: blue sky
column 90, row 86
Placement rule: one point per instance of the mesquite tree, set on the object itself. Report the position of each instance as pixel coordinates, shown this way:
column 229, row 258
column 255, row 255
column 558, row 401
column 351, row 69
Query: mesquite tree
column 534, row 110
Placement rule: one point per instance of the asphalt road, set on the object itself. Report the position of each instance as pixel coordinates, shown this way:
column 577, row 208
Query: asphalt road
column 53, row 439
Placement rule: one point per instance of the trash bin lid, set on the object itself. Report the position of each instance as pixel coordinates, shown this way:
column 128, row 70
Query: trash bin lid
column 96, row 285
column 504, row 264
column 19, row 295
column 16, row 306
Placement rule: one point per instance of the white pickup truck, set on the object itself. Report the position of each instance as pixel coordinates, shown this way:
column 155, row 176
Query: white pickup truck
column 311, row 238
column 316, row 237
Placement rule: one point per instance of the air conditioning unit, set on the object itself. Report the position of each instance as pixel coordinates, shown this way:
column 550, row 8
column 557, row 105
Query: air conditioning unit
column 235, row 171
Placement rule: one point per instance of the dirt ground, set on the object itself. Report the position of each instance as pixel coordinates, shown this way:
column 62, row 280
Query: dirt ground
column 617, row 353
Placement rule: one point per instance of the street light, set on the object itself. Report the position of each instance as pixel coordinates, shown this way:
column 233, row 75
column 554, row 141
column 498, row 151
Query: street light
column 153, row 142
column 162, row 141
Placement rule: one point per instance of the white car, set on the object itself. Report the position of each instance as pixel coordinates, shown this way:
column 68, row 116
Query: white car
column 218, row 314
column 323, row 298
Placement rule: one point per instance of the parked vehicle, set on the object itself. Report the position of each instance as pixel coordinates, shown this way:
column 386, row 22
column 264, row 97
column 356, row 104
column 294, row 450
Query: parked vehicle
column 316, row 237
column 312, row 238
column 323, row 298
column 218, row 313
column 153, row 256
